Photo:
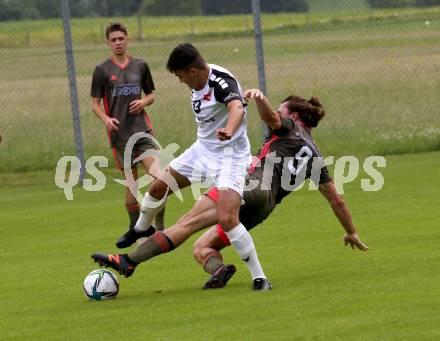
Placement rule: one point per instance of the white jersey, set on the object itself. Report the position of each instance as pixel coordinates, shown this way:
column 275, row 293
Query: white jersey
column 209, row 107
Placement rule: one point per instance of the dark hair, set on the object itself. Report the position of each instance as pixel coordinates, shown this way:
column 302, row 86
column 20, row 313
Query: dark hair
column 183, row 57
column 113, row 27
column 310, row 111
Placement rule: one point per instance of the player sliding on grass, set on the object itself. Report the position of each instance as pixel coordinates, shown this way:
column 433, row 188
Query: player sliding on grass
column 287, row 158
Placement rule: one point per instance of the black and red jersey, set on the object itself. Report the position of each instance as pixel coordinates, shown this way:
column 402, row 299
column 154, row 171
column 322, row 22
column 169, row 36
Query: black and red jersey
column 288, row 157
column 118, row 87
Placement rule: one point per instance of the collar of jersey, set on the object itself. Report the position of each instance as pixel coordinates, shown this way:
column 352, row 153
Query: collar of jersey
column 118, row 65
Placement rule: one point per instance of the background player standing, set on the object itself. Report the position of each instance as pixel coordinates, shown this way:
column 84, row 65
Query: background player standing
column 119, row 82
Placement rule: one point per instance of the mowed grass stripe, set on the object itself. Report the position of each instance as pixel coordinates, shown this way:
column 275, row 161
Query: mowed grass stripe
column 321, row 289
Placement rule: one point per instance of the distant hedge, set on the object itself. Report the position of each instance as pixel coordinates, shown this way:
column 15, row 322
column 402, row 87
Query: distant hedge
column 218, row 7
column 402, row 3
column 47, row 9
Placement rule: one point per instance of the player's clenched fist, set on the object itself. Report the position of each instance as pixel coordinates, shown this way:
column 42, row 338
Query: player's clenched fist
column 253, row 94
column 223, row 134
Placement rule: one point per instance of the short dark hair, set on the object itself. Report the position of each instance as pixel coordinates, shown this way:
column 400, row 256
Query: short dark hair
column 115, row 26
column 310, row 111
column 183, row 57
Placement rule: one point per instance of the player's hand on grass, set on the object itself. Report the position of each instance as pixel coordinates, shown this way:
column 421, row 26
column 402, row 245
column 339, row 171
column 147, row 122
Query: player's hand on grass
column 222, row 134
column 112, row 123
column 354, row 241
column 253, row 94
column 136, row 106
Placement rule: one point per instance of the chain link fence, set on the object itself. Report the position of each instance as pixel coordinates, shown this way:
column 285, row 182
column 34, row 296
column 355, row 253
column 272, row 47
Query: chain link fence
column 376, row 72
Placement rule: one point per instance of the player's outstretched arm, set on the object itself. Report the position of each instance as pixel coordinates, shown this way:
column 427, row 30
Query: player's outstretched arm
column 267, row 114
column 340, row 209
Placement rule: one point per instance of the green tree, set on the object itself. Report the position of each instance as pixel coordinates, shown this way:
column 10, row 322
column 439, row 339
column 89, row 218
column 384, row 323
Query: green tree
column 275, row 6
column 83, row 8
column 112, row 8
column 173, row 7
column 218, row 7
column 48, row 8
column 427, row 3
column 391, row 3
column 9, row 10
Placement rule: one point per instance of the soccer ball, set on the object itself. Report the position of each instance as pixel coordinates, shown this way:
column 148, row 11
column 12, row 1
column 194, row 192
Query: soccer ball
column 101, row 284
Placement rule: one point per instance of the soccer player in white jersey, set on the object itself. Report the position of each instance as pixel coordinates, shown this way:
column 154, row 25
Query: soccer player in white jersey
column 220, row 153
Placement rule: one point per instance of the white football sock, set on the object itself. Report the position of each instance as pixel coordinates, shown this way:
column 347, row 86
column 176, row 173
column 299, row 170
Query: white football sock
column 242, row 242
column 149, row 208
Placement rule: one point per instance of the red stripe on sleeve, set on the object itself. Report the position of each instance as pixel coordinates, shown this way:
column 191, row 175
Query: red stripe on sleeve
column 264, row 151
column 106, row 104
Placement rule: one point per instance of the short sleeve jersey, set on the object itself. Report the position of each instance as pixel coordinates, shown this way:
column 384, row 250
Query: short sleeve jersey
column 118, row 87
column 293, row 156
column 210, row 107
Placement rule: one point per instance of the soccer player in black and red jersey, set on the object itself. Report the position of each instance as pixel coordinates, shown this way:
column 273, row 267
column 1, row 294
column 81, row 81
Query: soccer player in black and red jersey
column 125, row 86
column 292, row 156
column 288, row 157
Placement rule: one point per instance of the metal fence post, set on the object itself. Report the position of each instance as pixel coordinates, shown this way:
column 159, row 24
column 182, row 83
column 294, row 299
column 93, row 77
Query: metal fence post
column 259, row 52
column 71, row 73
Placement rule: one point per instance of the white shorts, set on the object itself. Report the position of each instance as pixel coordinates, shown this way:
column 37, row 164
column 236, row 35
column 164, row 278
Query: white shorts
column 225, row 169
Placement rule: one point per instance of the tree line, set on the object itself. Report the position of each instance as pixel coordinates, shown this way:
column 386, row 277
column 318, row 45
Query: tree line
column 402, row 3
column 42, row 9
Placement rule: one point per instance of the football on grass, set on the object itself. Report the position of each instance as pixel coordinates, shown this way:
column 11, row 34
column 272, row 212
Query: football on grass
column 101, row 284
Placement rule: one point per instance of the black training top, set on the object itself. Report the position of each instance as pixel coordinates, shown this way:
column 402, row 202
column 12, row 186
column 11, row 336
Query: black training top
column 293, row 156
column 118, row 86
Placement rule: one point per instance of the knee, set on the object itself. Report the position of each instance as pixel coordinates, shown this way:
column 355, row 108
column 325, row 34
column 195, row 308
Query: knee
column 228, row 220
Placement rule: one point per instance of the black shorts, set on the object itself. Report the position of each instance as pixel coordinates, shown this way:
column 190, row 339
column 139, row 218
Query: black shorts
column 258, row 205
column 141, row 146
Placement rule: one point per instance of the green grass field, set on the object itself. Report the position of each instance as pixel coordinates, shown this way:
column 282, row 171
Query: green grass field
column 322, row 290
column 90, row 31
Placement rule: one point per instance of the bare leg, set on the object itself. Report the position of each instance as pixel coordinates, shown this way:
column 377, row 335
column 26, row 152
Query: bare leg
column 207, row 242
column 228, row 207
column 206, row 252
